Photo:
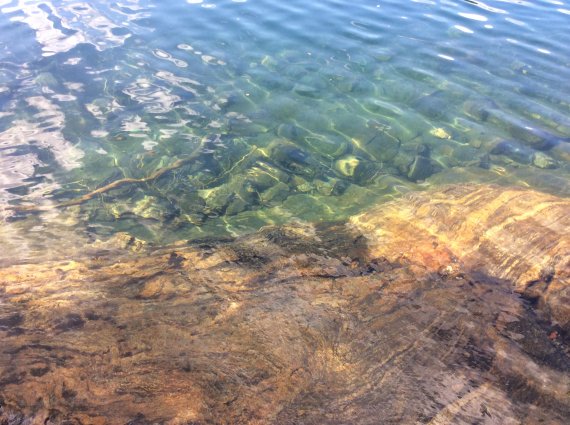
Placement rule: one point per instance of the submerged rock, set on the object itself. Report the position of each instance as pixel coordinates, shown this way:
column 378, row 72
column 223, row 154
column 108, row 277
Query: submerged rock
column 440, row 133
column 405, row 315
column 331, row 187
column 264, row 175
column 523, row 154
column 347, row 165
column 237, row 195
column 292, row 132
column 535, row 137
column 329, row 146
column 422, row 166
column 150, row 207
column 479, row 109
column 433, row 105
column 277, row 193
column 292, row 158
column 355, row 168
column 381, row 145
column 542, row 160
column 516, row 151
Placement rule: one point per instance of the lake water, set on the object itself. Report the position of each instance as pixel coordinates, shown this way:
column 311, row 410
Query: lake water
column 212, row 180
column 185, row 120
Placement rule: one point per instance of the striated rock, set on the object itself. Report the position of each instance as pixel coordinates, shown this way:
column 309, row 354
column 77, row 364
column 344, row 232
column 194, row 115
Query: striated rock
column 519, row 235
column 405, row 315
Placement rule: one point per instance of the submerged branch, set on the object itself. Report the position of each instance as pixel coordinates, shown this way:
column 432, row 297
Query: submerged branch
column 113, row 185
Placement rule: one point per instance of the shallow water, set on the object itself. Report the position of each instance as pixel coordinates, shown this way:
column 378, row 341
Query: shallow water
column 279, row 111
column 183, row 130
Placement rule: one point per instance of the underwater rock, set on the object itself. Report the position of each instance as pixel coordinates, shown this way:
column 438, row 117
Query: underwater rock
column 295, row 71
column 277, row 193
column 405, row 316
column 292, row 132
column 300, row 184
column 329, row 146
column 313, row 120
column 399, row 90
column 383, row 147
column 264, row 175
column 433, row 105
column 330, row 187
column 525, row 131
column 232, row 197
column 542, row 160
column 362, row 86
column 282, row 108
column 561, row 152
column 237, row 102
column 523, row 154
column 120, row 241
column 440, row 133
column 149, row 207
column 422, row 166
column 306, row 90
column 479, row 110
column 238, row 204
column 535, row 137
column 194, row 218
column 310, row 85
column 230, row 153
column 292, row 158
column 188, row 202
column 245, row 128
column 351, row 126
column 355, row 168
column 46, row 79
column 516, row 151
column 347, row 166
column 381, row 107
column 378, row 142
column 485, row 162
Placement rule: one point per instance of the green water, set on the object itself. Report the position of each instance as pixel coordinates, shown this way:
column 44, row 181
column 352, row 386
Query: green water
column 277, row 111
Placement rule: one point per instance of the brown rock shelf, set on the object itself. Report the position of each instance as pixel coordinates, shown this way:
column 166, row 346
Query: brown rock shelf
column 447, row 307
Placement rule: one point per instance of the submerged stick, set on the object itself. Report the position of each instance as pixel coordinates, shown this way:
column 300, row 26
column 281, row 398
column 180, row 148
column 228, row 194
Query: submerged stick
column 113, row 185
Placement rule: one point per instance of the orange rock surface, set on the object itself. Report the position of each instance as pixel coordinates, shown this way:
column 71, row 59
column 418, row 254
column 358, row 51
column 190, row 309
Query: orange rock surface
column 405, row 315
column 519, row 235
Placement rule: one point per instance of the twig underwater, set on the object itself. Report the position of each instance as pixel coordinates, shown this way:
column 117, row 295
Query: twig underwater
column 111, row 186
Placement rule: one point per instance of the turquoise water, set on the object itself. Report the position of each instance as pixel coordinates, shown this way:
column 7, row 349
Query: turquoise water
column 231, row 115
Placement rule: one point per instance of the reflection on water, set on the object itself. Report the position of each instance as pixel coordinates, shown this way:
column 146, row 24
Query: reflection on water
column 288, row 111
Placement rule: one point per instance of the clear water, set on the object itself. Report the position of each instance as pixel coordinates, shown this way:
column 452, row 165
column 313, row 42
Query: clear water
column 275, row 111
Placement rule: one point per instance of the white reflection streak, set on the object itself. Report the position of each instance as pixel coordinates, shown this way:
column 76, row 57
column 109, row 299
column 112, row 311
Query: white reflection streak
column 65, row 153
column 85, row 23
column 155, row 99
column 46, row 134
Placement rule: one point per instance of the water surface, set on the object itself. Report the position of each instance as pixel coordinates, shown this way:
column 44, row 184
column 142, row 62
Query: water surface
column 234, row 115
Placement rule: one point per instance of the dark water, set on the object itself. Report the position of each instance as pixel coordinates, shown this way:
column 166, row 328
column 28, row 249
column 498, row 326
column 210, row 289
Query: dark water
column 231, row 115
